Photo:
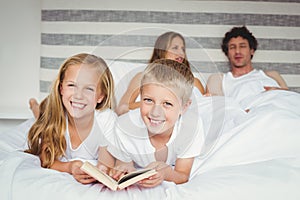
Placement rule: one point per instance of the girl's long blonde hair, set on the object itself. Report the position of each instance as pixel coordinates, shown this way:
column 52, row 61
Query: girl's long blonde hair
column 47, row 135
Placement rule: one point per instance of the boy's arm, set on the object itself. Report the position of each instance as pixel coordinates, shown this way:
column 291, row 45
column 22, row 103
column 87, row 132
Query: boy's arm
column 180, row 174
column 105, row 160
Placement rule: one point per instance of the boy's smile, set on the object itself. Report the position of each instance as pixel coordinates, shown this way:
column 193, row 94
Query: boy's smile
column 160, row 108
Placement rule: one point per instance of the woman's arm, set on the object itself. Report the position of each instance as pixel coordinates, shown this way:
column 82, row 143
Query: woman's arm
column 198, row 84
column 127, row 101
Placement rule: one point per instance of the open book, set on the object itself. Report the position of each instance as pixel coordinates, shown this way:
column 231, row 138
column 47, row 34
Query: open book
column 124, row 181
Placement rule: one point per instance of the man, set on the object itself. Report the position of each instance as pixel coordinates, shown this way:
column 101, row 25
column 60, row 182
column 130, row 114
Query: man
column 243, row 80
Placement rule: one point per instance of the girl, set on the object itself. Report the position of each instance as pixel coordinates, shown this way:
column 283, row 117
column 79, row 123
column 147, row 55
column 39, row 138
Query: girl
column 170, row 45
column 68, row 129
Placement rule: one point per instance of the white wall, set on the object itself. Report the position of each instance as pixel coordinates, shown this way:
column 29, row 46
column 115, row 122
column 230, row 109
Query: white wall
column 19, row 58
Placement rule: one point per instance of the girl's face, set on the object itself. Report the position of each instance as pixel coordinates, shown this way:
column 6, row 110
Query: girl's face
column 80, row 91
column 176, row 50
column 160, row 108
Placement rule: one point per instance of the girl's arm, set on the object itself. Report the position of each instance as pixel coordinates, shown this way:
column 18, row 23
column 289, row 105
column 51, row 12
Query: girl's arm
column 73, row 168
column 180, row 174
column 127, row 101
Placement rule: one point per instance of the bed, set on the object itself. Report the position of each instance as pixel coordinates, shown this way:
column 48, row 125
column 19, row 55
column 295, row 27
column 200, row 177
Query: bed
column 253, row 155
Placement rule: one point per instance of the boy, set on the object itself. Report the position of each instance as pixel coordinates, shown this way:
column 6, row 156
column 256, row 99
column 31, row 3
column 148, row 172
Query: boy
column 158, row 135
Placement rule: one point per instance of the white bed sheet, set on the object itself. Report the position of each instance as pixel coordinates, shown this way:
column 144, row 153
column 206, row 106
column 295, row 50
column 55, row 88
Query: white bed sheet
column 254, row 158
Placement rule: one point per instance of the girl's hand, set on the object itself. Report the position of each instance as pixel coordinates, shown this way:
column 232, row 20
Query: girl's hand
column 78, row 174
column 162, row 170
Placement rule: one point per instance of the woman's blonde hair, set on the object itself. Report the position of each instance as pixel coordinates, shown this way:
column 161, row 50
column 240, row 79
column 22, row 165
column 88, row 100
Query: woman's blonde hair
column 171, row 74
column 47, row 135
column 162, row 44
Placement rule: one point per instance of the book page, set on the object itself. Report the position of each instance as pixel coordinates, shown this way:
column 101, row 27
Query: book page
column 134, row 177
column 99, row 175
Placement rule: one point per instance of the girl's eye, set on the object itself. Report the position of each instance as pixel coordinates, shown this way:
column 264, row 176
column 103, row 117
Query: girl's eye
column 71, row 85
column 90, row 89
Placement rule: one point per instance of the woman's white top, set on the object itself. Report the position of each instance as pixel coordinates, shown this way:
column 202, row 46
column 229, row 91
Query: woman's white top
column 102, row 130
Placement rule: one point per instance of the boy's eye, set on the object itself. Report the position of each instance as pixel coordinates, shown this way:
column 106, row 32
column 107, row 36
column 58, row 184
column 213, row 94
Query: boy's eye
column 147, row 100
column 168, row 104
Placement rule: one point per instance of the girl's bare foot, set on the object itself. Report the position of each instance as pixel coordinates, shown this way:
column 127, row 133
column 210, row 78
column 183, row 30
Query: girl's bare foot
column 34, row 106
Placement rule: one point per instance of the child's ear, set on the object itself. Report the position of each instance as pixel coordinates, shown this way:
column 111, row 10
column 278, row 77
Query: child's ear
column 186, row 105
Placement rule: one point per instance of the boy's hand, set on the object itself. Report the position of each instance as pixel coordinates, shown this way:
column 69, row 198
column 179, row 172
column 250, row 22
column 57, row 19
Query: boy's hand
column 121, row 170
column 162, row 170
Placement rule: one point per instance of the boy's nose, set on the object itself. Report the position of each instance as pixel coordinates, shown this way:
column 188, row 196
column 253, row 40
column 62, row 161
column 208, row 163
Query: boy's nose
column 157, row 111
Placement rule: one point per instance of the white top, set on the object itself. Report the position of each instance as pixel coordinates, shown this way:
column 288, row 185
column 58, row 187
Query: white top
column 99, row 136
column 247, row 85
column 132, row 142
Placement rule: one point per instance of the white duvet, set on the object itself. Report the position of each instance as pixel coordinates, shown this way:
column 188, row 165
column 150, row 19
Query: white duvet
column 253, row 155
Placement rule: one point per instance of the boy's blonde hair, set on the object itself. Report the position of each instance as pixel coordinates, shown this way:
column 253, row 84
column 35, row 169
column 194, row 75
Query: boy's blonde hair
column 47, row 135
column 171, row 74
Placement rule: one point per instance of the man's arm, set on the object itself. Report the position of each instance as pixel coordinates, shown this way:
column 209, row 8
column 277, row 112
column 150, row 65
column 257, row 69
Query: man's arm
column 214, row 85
column 278, row 78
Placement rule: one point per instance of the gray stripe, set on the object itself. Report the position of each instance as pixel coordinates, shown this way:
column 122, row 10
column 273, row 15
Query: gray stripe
column 170, row 17
column 223, row 67
column 281, row 1
column 45, row 87
column 197, row 66
column 148, row 41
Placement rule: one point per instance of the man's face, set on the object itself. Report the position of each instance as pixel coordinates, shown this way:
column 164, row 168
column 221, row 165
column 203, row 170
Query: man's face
column 239, row 52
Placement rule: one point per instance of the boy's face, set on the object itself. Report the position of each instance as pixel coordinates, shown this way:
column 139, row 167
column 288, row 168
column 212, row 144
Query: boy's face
column 160, row 108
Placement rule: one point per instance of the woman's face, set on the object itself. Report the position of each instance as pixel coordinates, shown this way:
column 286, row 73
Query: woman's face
column 176, row 50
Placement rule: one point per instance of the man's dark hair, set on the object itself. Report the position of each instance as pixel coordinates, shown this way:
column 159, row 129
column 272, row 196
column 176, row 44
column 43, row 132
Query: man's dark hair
column 236, row 32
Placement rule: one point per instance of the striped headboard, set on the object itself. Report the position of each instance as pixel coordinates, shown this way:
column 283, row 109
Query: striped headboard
column 126, row 31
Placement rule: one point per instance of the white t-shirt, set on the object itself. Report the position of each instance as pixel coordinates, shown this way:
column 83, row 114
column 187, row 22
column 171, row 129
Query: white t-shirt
column 132, row 142
column 247, row 85
column 101, row 133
